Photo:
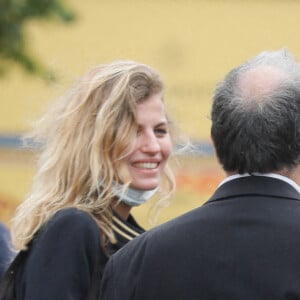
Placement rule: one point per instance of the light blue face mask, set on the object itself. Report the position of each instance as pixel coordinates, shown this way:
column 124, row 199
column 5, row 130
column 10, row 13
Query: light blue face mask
column 131, row 196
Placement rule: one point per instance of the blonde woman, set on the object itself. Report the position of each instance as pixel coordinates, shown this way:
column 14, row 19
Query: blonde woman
column 104, row 149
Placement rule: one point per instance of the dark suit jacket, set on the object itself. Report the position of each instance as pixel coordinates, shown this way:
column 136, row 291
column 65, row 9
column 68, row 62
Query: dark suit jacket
column 244, row 243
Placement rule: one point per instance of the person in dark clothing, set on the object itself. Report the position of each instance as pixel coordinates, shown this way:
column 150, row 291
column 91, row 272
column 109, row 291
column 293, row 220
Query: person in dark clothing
column 104, row 149
column 6, row 251
column 243, row 243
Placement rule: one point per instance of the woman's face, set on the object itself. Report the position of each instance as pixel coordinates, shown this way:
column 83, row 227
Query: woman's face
column 152, row 146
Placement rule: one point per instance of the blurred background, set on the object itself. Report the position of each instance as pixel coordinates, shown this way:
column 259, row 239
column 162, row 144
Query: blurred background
column 47, row 44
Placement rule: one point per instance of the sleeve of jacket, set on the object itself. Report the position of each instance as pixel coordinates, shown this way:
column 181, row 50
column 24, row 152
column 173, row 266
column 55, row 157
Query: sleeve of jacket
column 107, row 284
column 63, row 258
column 122, row 272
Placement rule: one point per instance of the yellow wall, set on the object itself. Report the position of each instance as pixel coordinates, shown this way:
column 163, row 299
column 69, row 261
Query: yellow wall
column 192, row 42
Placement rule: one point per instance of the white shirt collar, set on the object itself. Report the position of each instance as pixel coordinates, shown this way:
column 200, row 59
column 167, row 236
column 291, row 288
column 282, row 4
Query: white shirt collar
column 273, row 175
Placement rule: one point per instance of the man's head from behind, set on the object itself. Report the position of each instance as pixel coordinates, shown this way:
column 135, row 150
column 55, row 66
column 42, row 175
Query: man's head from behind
column 256, row 115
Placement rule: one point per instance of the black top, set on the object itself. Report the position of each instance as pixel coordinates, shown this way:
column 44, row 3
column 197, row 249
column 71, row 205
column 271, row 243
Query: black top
column 243, row 244
column 66, row 257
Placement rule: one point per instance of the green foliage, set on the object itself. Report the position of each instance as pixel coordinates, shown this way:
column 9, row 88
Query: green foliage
column 13, row 16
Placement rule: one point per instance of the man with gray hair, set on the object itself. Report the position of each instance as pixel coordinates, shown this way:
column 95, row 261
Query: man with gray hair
column 244, row 242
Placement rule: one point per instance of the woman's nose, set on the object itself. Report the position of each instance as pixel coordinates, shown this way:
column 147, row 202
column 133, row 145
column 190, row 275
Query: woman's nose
column 150, row 143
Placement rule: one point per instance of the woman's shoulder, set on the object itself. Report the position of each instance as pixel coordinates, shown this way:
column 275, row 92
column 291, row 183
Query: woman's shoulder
column 72, row 214
column 71, row 222
column 68, row 246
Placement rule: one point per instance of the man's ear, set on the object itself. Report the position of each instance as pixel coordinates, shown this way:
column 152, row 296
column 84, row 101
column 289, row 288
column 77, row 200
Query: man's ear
column 213, row 143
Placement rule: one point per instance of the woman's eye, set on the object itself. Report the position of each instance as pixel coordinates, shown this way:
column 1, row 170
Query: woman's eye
column 160, row 131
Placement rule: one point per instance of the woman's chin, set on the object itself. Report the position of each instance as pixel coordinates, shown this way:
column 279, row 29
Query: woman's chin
column 144, row 187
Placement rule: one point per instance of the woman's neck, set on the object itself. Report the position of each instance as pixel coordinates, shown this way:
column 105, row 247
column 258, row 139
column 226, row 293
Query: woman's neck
column 122, row 209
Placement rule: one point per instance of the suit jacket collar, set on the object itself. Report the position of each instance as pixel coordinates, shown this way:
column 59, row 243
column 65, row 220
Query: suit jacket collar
column 255, row 185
